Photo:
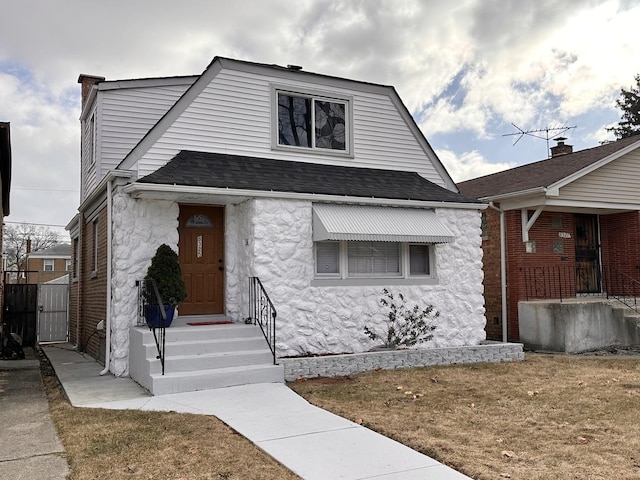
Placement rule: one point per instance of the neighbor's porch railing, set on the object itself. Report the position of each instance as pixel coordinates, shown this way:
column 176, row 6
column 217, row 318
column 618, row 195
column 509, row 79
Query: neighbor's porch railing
column 262, row 312
column 624, row 288
column 159, row 333
column 568, row 281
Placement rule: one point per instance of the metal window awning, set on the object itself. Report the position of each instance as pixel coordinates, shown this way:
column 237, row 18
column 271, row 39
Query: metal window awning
column 380, row 224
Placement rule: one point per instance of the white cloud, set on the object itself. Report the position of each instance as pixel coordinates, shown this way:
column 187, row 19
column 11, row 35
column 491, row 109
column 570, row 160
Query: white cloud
column 469, row 165
column 469, row 67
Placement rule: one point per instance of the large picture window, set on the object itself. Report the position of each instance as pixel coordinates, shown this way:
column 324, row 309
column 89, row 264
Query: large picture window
column 359, row 259
column 312, row 122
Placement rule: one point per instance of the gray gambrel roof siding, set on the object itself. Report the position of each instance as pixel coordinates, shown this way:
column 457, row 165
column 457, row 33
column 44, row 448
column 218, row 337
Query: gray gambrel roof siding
column 218, row 63
column 217, row 170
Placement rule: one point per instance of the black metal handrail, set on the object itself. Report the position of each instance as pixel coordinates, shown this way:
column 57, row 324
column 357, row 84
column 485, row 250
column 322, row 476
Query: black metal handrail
column 569, row 281
column 262, row 312
column 624, row 288
column 159, row 333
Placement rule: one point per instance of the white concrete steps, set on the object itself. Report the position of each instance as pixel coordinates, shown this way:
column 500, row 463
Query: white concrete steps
column 202, row 357
column 208, row 361
column 207, row 344
column 215, row 378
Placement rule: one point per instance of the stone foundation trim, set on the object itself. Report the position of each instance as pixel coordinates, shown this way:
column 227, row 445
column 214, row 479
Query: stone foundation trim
column 349, row 364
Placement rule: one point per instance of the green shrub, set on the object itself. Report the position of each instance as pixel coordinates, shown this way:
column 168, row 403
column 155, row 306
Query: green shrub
column 165, row 269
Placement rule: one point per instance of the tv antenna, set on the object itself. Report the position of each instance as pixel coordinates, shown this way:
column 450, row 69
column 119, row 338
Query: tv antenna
column 549, row 132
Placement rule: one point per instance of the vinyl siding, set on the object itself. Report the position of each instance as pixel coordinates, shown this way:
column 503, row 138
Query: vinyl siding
column 88, row 167
column 127, row 115
column 616, row 182
column 233, row 115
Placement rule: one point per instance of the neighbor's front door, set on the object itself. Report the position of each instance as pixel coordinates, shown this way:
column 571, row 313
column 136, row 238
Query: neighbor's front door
column 201, row 252
column 587, row 254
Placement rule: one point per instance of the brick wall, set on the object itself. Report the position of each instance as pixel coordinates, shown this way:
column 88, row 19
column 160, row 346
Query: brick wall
column 620, row 242
column 550, row 250
column 89, row 292
column 492, row 279
column 37, row 274
column 620, row 248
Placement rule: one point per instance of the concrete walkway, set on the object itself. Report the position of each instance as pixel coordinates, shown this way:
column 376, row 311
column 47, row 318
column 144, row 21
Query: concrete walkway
column 29, row 444
column 312, row 442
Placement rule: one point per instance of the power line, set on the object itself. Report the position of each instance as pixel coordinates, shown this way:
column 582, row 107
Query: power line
column 37, row 224
column 45, row 189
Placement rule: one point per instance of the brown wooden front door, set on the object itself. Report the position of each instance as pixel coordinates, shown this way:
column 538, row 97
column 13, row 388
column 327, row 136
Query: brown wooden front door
column 587, row 254
column 201, row 252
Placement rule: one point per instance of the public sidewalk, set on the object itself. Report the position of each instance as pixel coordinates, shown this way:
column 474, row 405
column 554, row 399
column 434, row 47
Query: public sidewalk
column 29, row 444
column 313, row 443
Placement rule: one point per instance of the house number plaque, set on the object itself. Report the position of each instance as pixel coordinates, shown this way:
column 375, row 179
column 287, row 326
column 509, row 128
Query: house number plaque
column 199, row 247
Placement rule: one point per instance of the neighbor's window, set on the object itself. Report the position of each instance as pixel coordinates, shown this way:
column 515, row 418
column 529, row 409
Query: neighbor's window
column 48, row 265
column 76, row 258
column 357, row 259
column 95, row 246
column 67, row 265
column 312, row 122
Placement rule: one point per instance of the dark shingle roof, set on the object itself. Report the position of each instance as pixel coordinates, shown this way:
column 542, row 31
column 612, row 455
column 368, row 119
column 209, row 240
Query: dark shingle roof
column 263, row 174
column 540, row 174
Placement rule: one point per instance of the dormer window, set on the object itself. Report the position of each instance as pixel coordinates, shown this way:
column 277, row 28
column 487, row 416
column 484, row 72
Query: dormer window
column 313, row 122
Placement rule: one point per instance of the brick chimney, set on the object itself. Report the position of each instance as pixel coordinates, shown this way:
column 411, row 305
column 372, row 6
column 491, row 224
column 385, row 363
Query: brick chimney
column 561, row 148
column 88, row 81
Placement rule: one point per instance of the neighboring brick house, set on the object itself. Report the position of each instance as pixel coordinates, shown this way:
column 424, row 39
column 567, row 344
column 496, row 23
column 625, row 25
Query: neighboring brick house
column 5, row 187
column 571, row 228
column 322, row 187
column 43, row 266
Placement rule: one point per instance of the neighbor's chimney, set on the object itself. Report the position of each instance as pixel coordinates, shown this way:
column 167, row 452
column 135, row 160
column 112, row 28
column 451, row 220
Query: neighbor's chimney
column 87, row 82
column 28, row 245
column 561, row 148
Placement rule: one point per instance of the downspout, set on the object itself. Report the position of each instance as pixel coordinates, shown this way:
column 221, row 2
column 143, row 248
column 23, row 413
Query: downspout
column 503, row 270
column 107, row 348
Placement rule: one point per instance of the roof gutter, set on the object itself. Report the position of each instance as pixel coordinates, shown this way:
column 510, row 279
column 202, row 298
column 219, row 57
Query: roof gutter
column 140, row 189
column 520, row 193
column 102, row 187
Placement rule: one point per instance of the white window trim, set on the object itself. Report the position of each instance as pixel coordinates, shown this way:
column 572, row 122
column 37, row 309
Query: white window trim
column 313, row 95
column 48, row 261
column 342, row 278
column 92, row 139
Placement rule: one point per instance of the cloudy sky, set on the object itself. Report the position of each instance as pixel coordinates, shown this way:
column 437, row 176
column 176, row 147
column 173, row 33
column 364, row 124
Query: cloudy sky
column 468, row 70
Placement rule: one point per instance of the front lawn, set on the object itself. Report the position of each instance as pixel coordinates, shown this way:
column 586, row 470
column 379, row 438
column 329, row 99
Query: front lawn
column 549, row 417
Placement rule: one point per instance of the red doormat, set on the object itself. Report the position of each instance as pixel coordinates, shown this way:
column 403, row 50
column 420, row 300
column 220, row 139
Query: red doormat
column 219, row 322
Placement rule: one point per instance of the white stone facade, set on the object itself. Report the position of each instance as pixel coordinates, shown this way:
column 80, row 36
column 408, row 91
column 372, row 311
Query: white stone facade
column 276, row 239
column 272, row 239
column 139, row 228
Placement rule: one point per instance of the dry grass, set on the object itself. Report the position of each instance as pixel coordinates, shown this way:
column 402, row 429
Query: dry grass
column 549, row 417
column 126, row 444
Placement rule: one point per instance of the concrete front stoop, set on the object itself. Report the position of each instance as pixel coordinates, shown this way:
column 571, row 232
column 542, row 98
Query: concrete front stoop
column 577, row 325
column 202, row 357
